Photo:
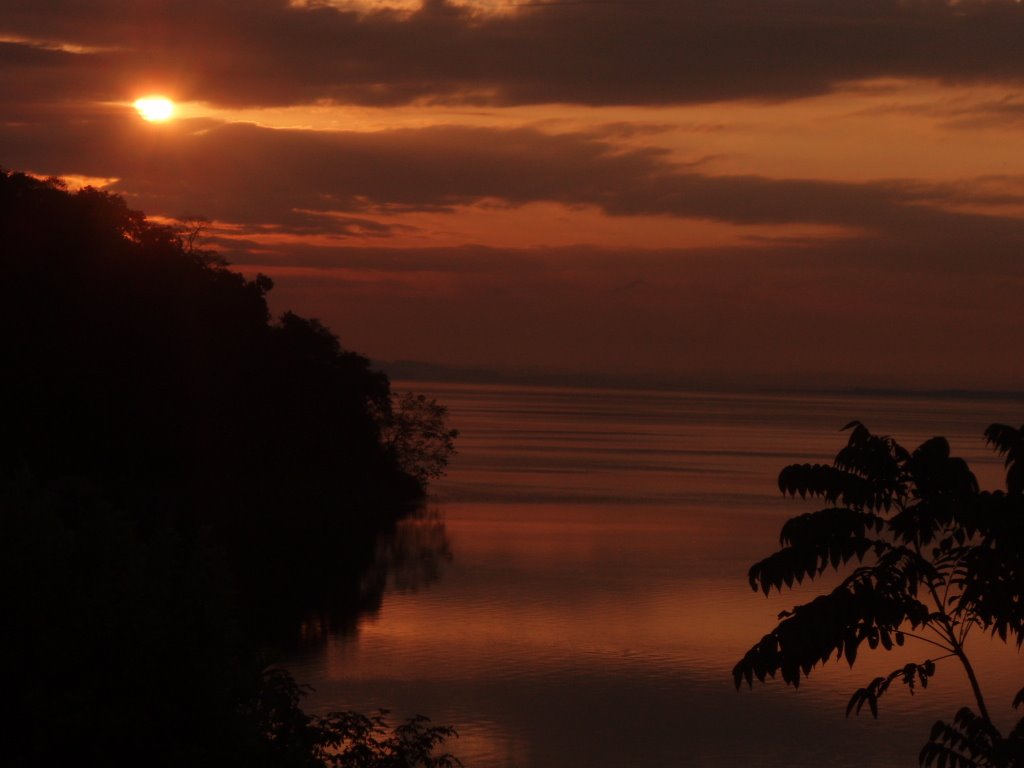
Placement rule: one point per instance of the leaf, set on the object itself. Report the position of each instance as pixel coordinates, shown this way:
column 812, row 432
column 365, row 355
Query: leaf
column 814, row 542
column 1009, row 442
column 856, row 700
column 827, row 482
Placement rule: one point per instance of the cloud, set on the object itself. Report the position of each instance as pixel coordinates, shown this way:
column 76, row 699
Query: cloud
column 359, row 183
column 966, row 112
column 269, row 52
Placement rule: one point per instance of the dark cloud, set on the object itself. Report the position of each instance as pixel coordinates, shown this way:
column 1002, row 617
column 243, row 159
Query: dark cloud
column 264, row 52
column 352, row 182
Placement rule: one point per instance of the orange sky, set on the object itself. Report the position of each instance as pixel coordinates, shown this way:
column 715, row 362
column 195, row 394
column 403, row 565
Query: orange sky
column 750, row 193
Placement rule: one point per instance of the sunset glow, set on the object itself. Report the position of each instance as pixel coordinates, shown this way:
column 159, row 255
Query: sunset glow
column 587, row 213
column 155, row 109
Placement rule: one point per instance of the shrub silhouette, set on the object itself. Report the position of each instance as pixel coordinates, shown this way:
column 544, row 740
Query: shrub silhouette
column 933, row 558
column 416, row 434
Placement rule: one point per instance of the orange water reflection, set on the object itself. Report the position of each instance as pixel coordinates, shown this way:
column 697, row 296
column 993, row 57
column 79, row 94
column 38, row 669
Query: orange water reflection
column 598, row 598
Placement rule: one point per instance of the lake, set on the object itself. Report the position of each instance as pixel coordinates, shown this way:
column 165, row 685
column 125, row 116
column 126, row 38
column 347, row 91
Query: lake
column 596, row 598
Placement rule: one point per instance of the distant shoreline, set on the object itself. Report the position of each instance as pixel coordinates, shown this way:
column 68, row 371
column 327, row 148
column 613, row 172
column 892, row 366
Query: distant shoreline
column 421, row 372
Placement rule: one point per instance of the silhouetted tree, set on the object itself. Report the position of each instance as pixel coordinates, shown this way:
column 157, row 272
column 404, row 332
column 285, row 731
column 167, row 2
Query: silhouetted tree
column 144, row 364
column 933, row 558
column 183, row 481
column 415, row 431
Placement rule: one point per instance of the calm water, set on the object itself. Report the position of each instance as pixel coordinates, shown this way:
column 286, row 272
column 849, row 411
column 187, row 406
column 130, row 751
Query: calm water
column 597, row 597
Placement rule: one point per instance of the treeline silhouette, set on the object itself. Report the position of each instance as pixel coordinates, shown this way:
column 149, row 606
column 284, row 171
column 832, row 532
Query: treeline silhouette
column 186, row 483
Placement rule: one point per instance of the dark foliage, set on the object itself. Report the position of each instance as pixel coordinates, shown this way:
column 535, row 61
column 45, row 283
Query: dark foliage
column 926, row 554
column 344, row 739
column 416, row 434
column 184, row 482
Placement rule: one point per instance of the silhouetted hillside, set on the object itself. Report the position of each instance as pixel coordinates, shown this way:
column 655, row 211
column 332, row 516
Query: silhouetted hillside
column 185, row 480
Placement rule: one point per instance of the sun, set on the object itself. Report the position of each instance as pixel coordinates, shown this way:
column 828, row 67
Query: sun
column 155, row 109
